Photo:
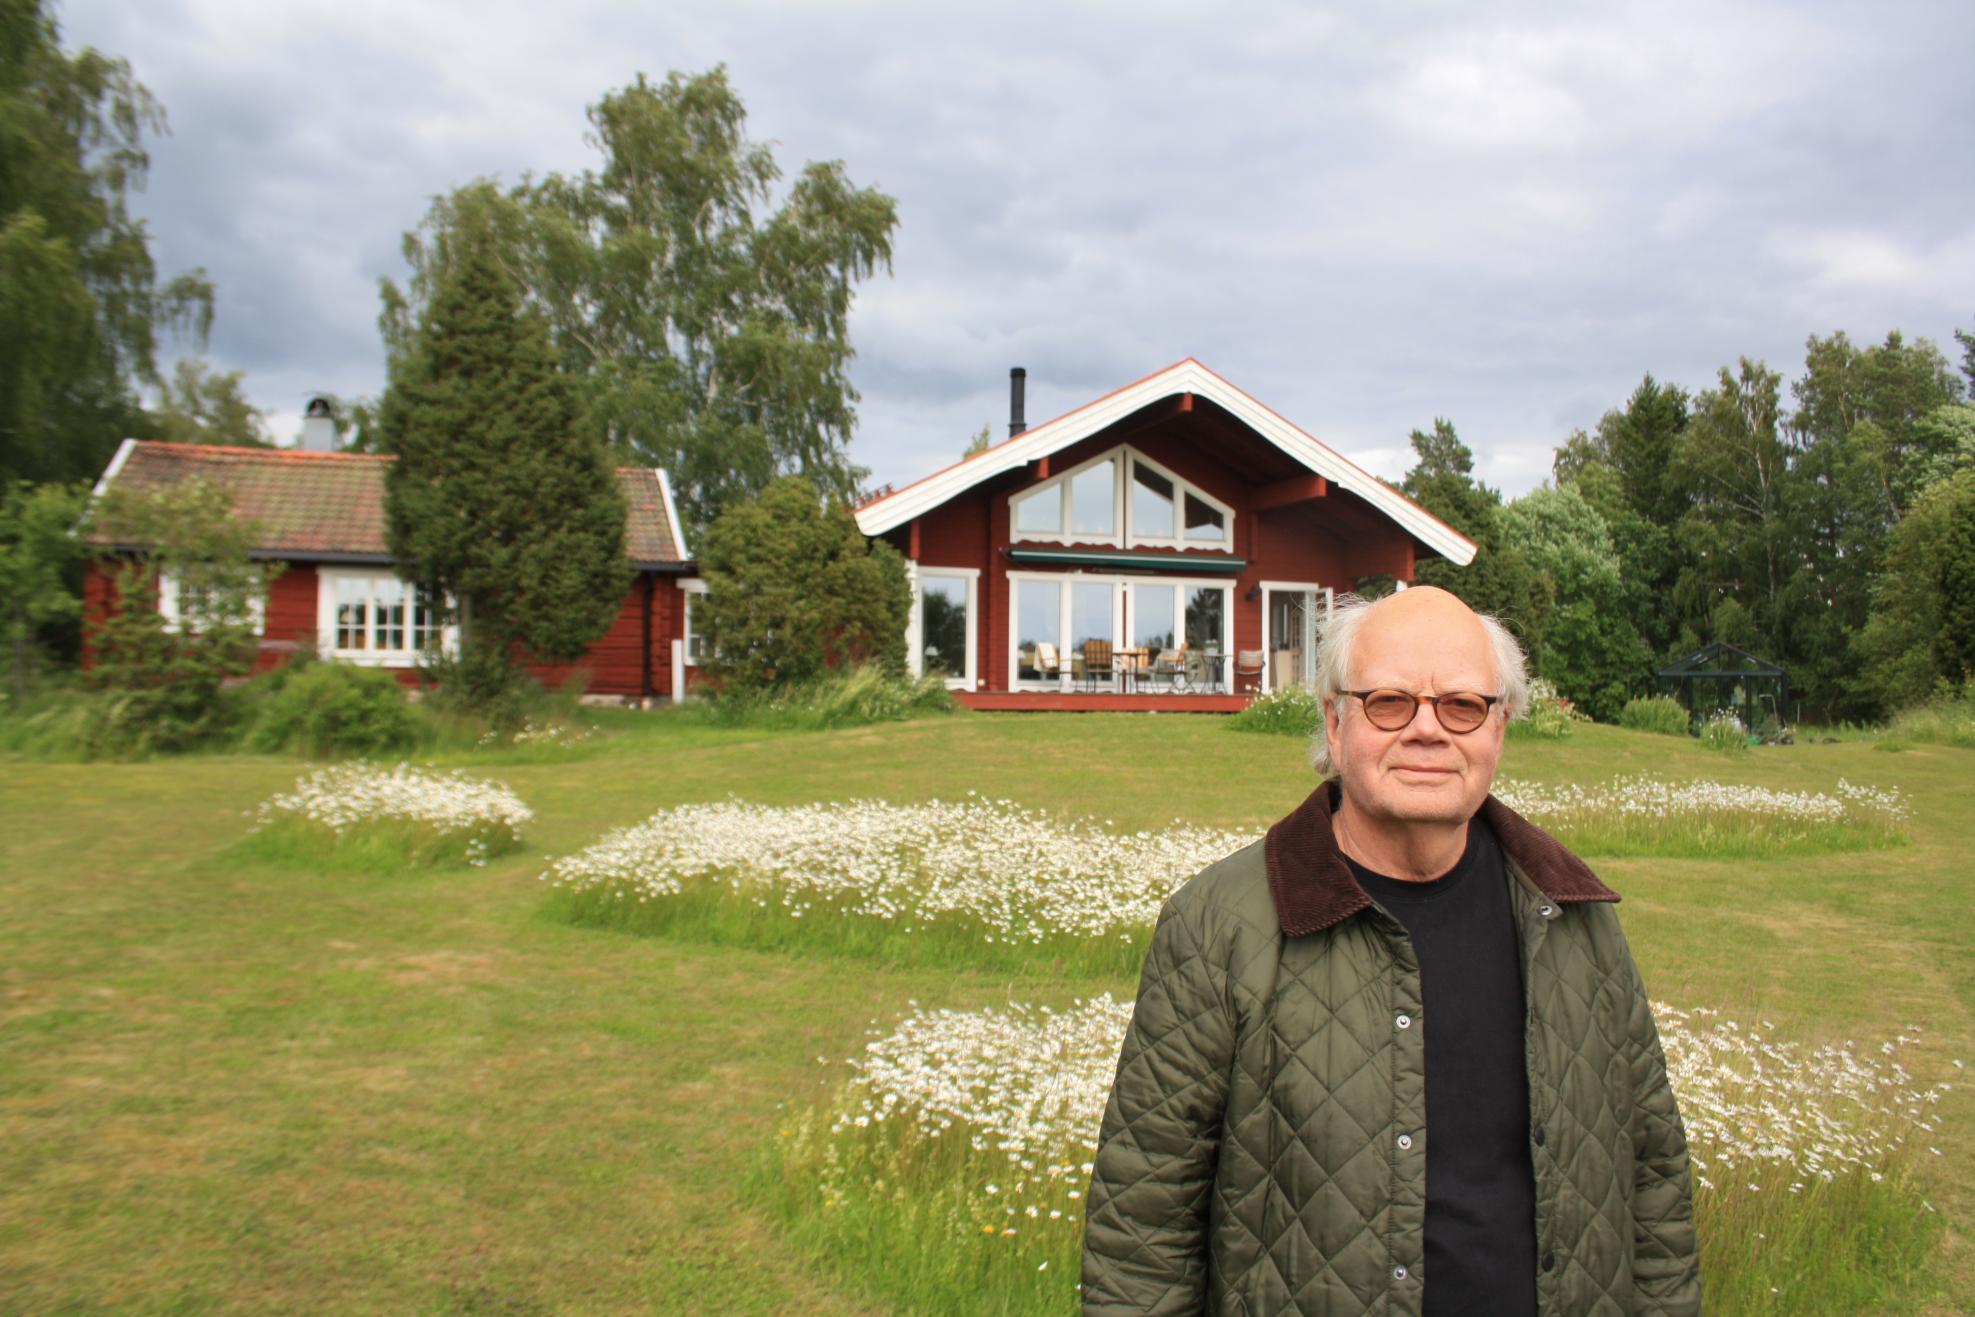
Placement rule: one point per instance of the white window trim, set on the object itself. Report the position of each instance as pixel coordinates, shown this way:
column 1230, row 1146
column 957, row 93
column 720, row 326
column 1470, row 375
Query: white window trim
column 1124, row 534
column 689, row 586
column 1287, row 587
column 915, row 626
column 168, row 606
column 327, row 579
column 1122, row 618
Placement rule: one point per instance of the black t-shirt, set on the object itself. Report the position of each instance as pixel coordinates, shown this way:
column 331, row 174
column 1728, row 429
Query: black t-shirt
column 1480, row 1185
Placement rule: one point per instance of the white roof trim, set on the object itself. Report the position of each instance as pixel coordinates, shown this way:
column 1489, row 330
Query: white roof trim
column 116, row 464
column 672, row 515
column 1189, row 376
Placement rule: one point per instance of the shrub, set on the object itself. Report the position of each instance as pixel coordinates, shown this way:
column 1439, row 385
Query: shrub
column 1290, row 711
column 1655, row 713
column 1548, row 717
column 325, row 710
column 1725, row 732
column 858, row 698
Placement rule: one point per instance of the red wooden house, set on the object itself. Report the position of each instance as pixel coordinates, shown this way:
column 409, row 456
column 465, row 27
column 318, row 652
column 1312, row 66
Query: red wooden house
column 322, row 517
column 1171, row 545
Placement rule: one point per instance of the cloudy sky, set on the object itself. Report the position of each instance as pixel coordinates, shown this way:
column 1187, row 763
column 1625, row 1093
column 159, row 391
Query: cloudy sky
column 1367, row 216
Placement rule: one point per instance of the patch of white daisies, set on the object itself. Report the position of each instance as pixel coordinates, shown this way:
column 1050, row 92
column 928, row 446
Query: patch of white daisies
column 486, row 815
column 1025, row 876
column 1026, row 1088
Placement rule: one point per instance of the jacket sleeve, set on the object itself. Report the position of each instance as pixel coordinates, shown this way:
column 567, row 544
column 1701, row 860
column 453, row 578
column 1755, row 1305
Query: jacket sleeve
column 1145, row 1234
column 1666, row 1261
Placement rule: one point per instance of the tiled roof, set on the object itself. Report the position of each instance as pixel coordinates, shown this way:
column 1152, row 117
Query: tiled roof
column 332, row 504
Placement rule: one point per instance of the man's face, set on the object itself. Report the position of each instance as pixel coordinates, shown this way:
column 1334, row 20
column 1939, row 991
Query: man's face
column 1426, row 642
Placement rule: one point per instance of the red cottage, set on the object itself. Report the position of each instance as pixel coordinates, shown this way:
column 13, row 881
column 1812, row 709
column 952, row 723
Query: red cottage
column 323, row 517
column 1172, row 545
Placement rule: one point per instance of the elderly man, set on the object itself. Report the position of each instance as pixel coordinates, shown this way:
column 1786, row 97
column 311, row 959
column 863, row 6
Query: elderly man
column 1395, row 1057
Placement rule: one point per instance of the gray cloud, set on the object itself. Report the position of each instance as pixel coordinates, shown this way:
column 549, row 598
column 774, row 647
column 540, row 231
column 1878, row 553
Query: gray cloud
column 1502, row 215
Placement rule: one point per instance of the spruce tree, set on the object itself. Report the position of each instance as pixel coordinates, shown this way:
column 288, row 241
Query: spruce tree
column 498, row 500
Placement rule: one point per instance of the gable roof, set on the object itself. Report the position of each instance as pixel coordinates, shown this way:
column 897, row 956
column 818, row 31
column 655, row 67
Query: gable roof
column 1189, row 376
column 330, row 506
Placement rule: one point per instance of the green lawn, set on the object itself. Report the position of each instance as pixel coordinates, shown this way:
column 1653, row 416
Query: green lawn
column 230, row 1086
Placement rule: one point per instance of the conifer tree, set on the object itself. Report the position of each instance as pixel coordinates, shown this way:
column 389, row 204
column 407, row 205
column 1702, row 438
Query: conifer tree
column 498, row 500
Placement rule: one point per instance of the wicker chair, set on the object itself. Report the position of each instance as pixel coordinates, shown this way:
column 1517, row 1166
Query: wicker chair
column 1097, row 662
column 1166, row 667
column 1248, row 667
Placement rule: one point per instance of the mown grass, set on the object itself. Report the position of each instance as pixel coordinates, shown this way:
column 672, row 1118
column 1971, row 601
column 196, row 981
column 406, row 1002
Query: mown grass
column 423, row 1093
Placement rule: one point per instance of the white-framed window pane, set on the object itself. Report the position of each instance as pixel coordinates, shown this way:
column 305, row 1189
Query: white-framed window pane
column 943, row 624
column 388, row 600
column 1090, row 614
column 1152, row 617
column 1206, row 616
column 695, row 643
column 1152, row 503
column 1038, row 618
column 1093, row 494
column 353, row 613
column 1204, row 522
column 426, row 630
column 1041, row 512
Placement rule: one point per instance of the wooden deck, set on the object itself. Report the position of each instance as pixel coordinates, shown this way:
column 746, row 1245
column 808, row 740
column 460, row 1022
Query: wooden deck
column 1101, row 702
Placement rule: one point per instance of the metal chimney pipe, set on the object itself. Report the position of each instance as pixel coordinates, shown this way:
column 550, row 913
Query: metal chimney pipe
column 1017, row 382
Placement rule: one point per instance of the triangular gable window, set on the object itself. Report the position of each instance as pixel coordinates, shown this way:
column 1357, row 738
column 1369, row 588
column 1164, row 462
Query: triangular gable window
column 1121, row 498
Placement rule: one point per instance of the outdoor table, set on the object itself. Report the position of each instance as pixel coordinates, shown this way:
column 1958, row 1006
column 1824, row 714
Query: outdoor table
column 1128, row 664
column 1216, row 672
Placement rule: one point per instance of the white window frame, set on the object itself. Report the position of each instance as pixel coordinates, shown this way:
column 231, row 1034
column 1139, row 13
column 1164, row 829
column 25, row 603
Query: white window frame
column 915, row 626
column 327, row 580
column 689, row 586
column 178, row 620
column 1125, row 534
column 1123, row 619
column 1287, row 587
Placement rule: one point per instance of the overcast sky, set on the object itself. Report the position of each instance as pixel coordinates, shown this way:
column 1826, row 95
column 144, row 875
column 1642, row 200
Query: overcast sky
column 1503, row 214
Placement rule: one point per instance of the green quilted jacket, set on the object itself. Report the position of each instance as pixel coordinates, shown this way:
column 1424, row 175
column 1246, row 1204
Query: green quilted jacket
column 1251, row 1159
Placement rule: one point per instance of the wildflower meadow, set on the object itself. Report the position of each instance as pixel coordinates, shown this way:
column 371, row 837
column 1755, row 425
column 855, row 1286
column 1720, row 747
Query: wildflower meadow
column 761, row 1020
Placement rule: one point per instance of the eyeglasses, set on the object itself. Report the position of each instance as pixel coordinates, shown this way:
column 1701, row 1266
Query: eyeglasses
column 1460, row 712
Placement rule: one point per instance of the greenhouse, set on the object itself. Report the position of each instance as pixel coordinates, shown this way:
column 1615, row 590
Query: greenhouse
column 1724, row 679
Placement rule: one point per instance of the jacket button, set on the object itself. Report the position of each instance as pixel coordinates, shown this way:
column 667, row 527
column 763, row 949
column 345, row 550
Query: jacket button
column 1403, row 1020
column 1549, row 1260
column 1405, row 1142
column 1547, row 910
column 1537, row 1134
column 1398, row 1273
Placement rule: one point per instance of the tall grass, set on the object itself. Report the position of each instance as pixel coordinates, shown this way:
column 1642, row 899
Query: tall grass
column 948, row 1175
column 857, row 698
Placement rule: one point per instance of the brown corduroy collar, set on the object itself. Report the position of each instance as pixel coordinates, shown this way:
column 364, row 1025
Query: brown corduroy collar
column 1313, row 886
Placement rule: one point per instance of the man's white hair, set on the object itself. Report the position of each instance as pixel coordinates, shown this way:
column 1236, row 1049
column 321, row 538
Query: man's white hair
column 1339, row 638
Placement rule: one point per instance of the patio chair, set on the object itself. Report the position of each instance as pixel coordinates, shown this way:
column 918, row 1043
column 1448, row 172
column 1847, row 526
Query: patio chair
column 1248, row 667
column 1097, row 662
column 1047, row 663
column 1166, row 667
column 1197, row 674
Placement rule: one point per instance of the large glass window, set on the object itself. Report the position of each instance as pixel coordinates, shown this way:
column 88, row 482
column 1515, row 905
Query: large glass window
column 1152, row 501
column 943, row 624
column 1204, row 523
column 1152, row 618
column 1041, row 512
column 1090, row 614
column 1093, row 500
column 1206, row 616
column 1038, row 620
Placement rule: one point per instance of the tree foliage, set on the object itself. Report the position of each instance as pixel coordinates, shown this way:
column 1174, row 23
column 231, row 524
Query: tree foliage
column 794, row 590
column 81, row 304
column 498, row 499
column 166, row 678
column 1588, row 647
column 1922, row 632
column 706, row 326
column 199, row 405
column 38, row 556
column 1501, row 580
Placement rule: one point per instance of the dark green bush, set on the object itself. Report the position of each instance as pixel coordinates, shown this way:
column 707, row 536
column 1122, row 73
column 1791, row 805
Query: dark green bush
column 1656, row 713
column 326, row 710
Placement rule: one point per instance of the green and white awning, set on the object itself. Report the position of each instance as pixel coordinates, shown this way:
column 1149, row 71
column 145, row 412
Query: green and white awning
column 1217, row 564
